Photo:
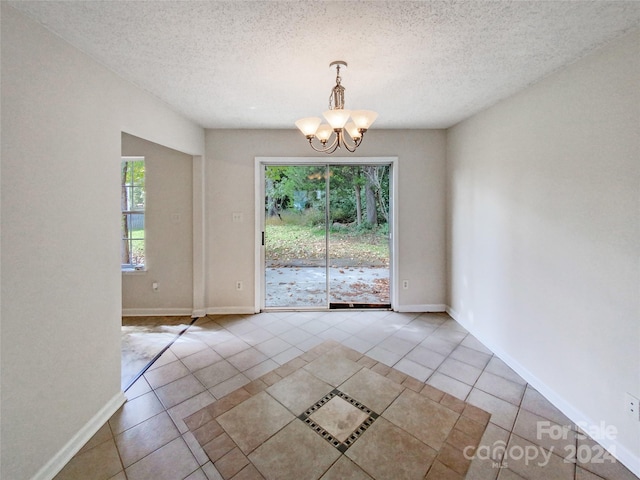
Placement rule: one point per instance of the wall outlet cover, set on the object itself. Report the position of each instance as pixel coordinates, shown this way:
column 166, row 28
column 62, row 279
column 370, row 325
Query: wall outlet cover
column 632, row 405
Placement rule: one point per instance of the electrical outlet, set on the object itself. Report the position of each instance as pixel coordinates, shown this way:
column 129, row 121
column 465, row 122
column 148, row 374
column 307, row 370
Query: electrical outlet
column 632, row 405
column 155, row 287
column 405, row 284
column 239, row 285
column 237, row 217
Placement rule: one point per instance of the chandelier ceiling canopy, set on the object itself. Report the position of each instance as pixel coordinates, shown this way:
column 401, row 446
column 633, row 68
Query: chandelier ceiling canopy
column 338, row 123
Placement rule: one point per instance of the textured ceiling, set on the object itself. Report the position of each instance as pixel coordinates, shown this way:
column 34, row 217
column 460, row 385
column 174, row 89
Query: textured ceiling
column 265, row 64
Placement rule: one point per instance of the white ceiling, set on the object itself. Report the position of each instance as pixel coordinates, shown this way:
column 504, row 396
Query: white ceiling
column 265, row 64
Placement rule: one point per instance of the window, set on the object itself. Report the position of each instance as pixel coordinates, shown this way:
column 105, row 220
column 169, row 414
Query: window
column 132, row 174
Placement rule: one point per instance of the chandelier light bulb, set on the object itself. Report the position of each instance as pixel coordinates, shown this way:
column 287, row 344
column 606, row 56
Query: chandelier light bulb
column 363, row 118
column 337, row 118
column 309, row 125
column 324, row 132
column 352, row 130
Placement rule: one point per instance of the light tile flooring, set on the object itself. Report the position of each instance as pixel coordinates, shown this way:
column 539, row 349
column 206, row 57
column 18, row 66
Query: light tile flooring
column 148, row 439
column 295, row 421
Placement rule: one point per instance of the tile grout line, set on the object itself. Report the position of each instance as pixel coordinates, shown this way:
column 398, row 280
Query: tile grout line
column 113, row 437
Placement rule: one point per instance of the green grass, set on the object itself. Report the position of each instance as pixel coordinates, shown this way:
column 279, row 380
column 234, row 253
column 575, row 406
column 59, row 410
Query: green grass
column 292, row 240
column 285, row 242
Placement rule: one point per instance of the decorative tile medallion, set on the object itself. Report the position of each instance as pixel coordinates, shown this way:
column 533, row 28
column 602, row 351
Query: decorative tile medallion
column 339, row 419
column 448, row 427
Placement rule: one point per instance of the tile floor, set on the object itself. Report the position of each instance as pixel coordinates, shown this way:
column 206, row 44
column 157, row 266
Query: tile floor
column 143, row 338
column 148, row 438
column 296, row 422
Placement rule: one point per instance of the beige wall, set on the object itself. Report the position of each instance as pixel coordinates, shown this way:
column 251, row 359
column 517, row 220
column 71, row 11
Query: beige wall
column 544, row 235
column 168, row 231
column 62, row 118
column 230, row 187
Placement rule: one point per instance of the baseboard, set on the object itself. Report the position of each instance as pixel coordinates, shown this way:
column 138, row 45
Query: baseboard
column 429, row 307
column 628, row 459
column 157, row 312
column 619, row 451
column 198, row 313
column 453, row 314
column 231, row 311
column 402, row 308
column 73, row 446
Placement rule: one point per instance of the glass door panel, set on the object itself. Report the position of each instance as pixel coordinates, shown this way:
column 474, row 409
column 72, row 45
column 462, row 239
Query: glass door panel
column 359, row 236
column 295, row 236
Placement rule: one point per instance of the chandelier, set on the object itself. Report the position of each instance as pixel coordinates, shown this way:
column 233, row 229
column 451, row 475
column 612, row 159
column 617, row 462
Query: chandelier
column 337, row 117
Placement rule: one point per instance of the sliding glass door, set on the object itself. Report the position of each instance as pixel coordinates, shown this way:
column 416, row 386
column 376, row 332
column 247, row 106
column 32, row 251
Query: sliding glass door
column 326, row 236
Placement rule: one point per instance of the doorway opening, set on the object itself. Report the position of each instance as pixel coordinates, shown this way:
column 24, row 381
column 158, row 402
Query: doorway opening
column 326, row 233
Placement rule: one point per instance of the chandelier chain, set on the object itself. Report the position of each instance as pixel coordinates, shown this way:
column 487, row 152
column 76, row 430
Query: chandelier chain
column 336, row 97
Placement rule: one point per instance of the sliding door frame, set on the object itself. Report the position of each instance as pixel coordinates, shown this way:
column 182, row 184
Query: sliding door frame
column 260, row 165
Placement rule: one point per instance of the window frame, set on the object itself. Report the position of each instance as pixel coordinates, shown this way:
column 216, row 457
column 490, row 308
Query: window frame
column 128, row 213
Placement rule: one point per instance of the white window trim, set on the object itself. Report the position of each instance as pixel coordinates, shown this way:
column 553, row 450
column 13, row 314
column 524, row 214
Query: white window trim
column 140, row 269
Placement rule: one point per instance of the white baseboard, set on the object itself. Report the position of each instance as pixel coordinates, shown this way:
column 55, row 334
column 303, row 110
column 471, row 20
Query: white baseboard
column 157, row 312
column 453, row 314
column 198, row 313
column 429, row 307
column 231, row 311
column 402, row 308
column 629, row 459
column 73, row 446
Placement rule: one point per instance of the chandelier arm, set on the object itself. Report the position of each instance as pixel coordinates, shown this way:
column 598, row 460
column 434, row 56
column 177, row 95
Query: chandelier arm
column 350, row 148
column 330, row 149
column 334, row 146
